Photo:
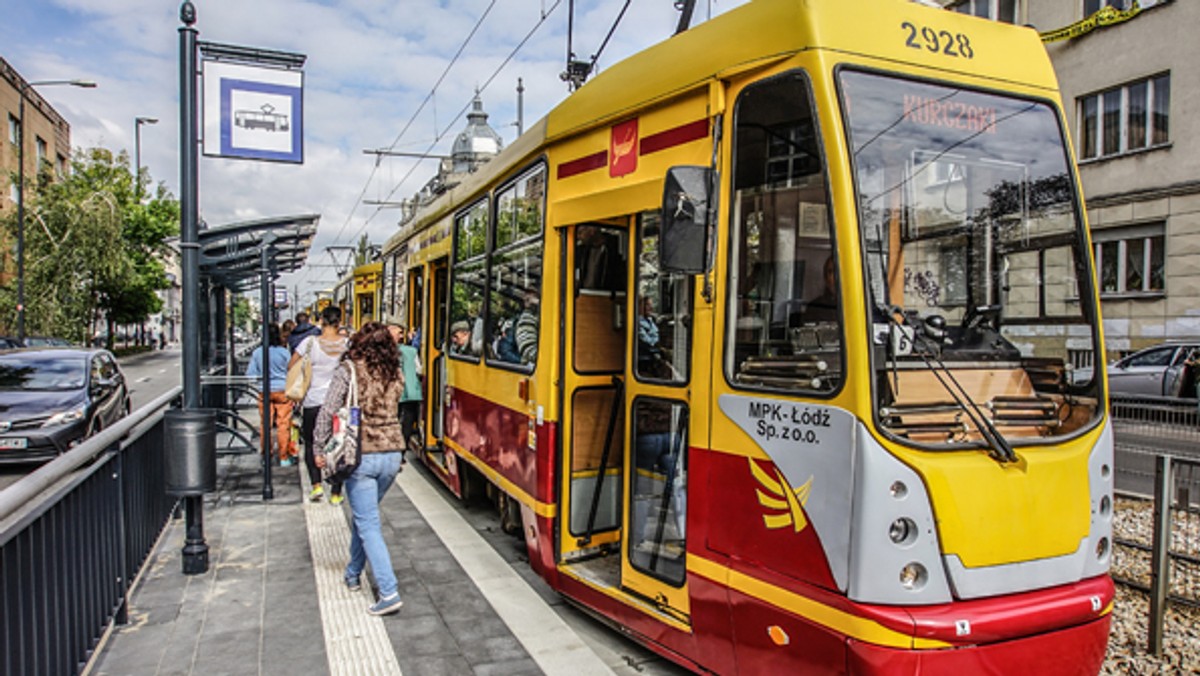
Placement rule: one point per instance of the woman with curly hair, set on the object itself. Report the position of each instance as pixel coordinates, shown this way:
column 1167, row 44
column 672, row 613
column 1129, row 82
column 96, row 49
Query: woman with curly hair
column 372, row 356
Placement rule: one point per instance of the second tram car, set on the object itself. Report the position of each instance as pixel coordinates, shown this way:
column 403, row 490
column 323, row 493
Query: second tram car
column 762, row 341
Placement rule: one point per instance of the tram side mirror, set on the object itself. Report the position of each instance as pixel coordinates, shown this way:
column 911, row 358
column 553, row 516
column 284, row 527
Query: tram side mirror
column 687, row 208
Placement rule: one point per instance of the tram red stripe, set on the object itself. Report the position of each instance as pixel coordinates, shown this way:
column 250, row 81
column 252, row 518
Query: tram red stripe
column 583, row 164
column 673, row 137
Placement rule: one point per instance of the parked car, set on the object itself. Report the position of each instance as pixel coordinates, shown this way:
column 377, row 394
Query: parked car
column 9, row 343
column 46, row 341
column 53, row 398
column 1156, row 371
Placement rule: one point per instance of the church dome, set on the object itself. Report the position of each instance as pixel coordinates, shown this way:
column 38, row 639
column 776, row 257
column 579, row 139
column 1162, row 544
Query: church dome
column 477, row 143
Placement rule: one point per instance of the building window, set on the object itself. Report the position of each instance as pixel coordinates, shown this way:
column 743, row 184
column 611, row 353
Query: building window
column 1090, row 7
column 1126, row 118
column 1130, row 260
column 42, row 150
column 996, row 10
column 63, row 166
column 14, row 129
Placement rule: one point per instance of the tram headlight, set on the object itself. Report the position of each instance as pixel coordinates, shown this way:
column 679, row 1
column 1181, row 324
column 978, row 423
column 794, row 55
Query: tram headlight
column 913, row 576
column 1102, row 549
column 903, row 531
column 1105, row 506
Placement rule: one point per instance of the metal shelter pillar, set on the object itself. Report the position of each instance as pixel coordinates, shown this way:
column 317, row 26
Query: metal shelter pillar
column 266, row 298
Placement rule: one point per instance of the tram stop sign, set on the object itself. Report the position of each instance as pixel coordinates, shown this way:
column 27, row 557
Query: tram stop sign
column 253, row 112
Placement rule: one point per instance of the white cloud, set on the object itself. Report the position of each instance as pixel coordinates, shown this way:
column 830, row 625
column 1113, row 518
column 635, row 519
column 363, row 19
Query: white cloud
column 370, row 65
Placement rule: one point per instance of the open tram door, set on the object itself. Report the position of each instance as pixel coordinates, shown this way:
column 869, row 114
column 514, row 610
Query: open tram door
column 657, row 419
column 433, row 344
column 594, row 281
column 624, row 444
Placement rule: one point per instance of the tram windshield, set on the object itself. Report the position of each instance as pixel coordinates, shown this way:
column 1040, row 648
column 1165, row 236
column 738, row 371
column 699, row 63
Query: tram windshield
column 977, row 273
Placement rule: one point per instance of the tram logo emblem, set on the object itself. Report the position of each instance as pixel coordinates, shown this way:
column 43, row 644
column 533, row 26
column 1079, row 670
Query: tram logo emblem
column 784, row 505
column 623, row 149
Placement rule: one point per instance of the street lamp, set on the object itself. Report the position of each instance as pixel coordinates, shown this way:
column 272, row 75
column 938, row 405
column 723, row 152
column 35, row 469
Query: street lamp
column 21, row 191
column 137, row 149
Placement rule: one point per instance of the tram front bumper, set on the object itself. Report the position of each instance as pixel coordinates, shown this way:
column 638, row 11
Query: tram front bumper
column 1074, row 650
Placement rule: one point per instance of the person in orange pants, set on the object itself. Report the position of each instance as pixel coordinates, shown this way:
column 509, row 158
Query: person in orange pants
column 281, row 406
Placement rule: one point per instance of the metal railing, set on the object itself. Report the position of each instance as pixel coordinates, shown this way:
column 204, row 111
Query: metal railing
column 1167, row 565
column 73, row 536
column 1170, row 417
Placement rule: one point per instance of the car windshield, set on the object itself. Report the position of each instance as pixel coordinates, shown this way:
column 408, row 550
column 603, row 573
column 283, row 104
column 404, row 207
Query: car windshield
column 977, row 269
column 45, row 373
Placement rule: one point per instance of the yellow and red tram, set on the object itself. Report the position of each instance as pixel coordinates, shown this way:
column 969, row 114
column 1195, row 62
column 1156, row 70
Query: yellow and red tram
column 763, row 337
column 368, row 295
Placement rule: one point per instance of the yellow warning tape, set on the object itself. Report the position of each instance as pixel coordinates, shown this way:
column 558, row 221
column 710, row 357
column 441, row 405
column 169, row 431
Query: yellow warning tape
column 1106, row 16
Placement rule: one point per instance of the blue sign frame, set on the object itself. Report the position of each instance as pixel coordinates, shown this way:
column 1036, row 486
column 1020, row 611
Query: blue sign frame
column 296, row 127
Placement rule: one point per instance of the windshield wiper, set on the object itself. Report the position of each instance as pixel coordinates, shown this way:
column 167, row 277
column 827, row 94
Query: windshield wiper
column 1000, row 449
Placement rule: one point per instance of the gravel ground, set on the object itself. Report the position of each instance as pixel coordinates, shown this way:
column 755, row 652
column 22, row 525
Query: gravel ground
column 1181, row 637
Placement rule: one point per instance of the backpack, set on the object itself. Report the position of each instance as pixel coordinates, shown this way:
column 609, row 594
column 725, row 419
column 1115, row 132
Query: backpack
column 343, row 451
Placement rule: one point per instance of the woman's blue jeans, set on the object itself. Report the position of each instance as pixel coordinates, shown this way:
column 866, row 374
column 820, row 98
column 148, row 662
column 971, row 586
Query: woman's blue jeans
column 365, row 489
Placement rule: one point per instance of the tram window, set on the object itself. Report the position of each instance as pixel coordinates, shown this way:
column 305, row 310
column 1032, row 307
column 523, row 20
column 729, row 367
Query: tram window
column 416, row 302
column 513, row 305
column 973, row 254
column 470, row 232
column 664, row 307
column 516, row 273
column 599, row 259
column 519, row 208
column 658, row 523
column 600, row 265
column 467, row 287
column 785, row 306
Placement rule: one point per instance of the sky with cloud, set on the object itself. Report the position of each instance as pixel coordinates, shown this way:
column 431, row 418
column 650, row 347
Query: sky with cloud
column 371, row 67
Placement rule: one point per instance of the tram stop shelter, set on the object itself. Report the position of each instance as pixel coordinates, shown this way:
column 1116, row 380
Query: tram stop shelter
column 234, row 259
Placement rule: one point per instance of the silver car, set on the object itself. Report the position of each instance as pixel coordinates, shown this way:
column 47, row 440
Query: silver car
column 1157, row 371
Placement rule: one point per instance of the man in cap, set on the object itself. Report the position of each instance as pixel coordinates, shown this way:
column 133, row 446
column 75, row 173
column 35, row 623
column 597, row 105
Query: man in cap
column 460, row 337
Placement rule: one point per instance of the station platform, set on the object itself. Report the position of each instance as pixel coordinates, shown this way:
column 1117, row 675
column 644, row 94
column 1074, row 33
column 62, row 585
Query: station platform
column 273, row 600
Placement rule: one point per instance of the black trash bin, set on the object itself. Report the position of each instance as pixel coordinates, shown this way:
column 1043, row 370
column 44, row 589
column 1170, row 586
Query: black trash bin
column 191, row 448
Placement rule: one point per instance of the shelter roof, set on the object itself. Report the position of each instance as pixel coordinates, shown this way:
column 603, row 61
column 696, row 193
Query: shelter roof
column 231, row 255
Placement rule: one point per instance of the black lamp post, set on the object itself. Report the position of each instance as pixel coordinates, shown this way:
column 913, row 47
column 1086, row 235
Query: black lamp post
column 137, row 149
column 21, row 191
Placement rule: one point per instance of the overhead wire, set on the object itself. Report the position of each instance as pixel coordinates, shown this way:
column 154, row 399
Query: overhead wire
column 545, row 14
column 449, row 126
column 416, row 113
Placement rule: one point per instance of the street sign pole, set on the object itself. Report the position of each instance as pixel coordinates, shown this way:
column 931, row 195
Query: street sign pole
column 195, row 549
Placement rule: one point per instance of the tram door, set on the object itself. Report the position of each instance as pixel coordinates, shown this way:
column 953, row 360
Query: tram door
column 415, row 321
column 656, row 415
column 595, row 266
column 433, row 339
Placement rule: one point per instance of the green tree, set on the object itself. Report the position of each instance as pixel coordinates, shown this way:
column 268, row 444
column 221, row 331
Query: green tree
column 363, row 252
column 91, row 248
column 240, row 312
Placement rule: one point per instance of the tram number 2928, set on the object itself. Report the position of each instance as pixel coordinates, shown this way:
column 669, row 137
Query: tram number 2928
column 944, row 42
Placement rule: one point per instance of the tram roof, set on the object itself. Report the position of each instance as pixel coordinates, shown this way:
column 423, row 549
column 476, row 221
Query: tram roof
column 231, row 255
column 723, row 47
column 762, row 32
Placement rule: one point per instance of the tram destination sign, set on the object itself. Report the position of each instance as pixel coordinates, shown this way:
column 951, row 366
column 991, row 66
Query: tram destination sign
column 253, row 112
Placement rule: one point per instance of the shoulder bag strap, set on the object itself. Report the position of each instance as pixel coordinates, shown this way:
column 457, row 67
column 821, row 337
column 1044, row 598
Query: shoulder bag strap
column 353, row 396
